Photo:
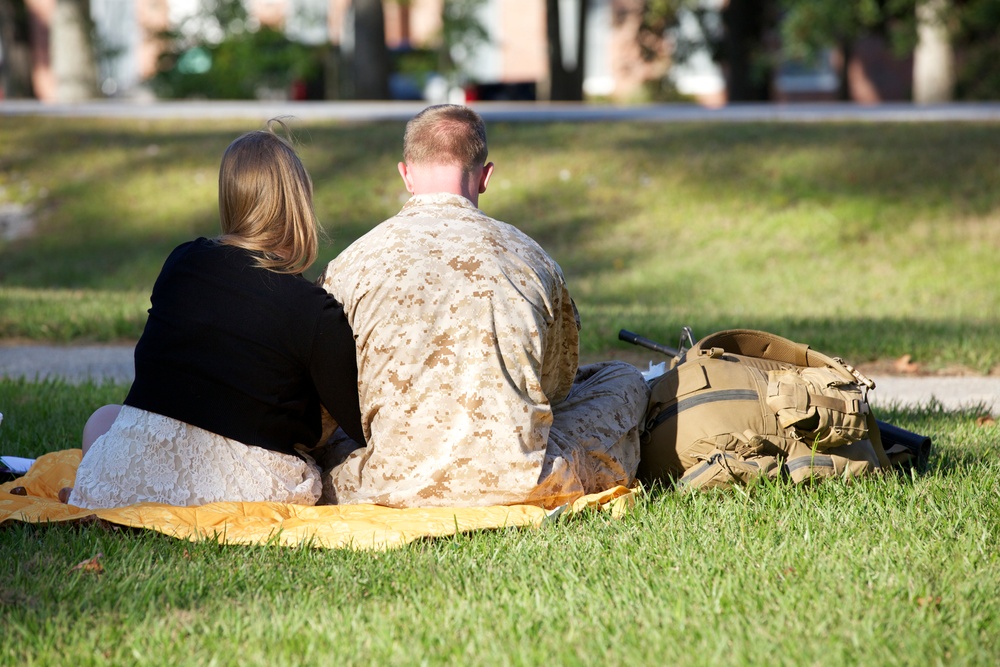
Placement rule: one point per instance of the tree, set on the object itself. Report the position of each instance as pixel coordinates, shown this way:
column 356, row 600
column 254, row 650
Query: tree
column 218, row 52
column 934, row 31
column 934, row 56
column 74, row 59
column 811, row 26
column 745, row 55
column 955, row 43
column 736, row 37
column 565, row 81
column 370, row 63
column 973, row 30
column 15, row 66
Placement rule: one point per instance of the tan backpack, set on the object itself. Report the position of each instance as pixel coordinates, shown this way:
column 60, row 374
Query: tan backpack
column 743, row 404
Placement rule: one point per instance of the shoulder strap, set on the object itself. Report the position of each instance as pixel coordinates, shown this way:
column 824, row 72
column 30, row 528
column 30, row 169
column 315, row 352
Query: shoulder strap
column 765, row 345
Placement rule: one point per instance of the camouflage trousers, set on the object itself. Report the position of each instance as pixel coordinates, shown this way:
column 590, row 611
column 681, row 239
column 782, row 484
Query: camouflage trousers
column 594, row 440
column 593, row 443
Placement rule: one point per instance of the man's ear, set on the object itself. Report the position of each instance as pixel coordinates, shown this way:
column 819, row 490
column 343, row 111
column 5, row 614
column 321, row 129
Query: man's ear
column 484, row 179
column 404, row 173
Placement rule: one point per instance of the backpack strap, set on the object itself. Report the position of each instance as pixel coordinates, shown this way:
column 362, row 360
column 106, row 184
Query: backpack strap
column 760, row 344
column 766, row 345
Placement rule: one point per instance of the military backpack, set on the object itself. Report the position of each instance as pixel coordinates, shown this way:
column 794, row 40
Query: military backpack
column 743, row 404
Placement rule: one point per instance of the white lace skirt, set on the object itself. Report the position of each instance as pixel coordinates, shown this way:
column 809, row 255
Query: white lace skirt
column 146, row 457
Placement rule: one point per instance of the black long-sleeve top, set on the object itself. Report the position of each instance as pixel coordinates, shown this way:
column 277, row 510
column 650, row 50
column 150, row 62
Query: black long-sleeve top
column 245, row 352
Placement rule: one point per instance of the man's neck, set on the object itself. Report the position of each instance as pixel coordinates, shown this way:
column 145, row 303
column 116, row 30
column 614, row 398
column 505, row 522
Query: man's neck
column 432, row 178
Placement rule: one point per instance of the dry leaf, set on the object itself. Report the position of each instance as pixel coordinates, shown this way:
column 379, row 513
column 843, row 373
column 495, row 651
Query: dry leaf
column 92, row 565
column 986, row 420
column 64, row 494
column 905, row 364
column 929, row 601
column 187, row 555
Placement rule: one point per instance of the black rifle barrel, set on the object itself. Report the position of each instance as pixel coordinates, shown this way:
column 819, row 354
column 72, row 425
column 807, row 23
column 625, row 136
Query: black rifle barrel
column 636, row 339
column 918, row 445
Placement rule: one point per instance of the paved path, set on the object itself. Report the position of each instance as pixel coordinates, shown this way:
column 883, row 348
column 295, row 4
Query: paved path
column 74, row 364
column 515, row 111
column 80, row 363
column 952, row 392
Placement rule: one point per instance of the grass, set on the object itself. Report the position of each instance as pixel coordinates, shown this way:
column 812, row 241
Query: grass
column 893, row 571
column 869, row 241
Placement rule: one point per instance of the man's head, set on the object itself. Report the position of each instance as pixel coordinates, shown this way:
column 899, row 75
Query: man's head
column 444, row 150
column 446, row 134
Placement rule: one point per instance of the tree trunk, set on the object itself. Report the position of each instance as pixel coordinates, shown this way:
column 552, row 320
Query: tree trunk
column 73, row 56
column 565, row 83
column 15, row 41
column 844, row 86
column 371, row 57
column 934, row 58
column 744, row 22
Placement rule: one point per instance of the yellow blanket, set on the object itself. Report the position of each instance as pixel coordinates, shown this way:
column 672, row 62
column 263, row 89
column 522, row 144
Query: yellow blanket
column 330, row 526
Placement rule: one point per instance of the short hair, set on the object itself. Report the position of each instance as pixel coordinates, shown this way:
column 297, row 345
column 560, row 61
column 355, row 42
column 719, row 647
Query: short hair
column 265, row 201
column 446, row 134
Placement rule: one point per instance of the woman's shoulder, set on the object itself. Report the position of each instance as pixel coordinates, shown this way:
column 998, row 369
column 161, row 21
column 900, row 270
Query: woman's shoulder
column 296, row 290
column 307, row 308
column 191, row 250
column 216, row 257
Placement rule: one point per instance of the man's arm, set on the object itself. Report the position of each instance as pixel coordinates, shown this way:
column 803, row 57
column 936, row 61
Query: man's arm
column 562, row 345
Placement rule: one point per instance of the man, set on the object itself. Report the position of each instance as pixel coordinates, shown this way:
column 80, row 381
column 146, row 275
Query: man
column 467, row 346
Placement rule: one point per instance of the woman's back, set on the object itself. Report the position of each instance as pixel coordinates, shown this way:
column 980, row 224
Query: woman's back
column 238, row 354
column 243, row 351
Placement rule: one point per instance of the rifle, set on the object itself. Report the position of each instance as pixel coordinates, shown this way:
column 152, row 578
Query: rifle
column 904, row 448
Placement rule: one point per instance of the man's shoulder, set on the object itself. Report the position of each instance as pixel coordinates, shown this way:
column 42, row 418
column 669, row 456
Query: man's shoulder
column 357, row 258
column 520, row 242
column 428, row 231
column 374, row 236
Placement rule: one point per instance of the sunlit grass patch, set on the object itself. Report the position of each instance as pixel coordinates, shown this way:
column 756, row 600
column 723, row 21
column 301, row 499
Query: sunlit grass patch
column 887, row 570
column 72, row 315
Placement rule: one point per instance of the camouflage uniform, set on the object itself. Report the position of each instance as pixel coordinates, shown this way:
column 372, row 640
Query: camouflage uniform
column 467, row 355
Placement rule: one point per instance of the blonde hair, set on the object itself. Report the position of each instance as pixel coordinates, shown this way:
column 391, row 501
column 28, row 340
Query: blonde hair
column 265, row 201
column 446, row 134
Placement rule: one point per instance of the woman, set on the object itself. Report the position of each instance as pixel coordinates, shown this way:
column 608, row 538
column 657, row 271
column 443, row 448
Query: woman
column 238, row 355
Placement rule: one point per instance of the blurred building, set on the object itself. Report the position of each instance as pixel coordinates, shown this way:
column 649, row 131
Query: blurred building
column 511, row 64
column 514, row 58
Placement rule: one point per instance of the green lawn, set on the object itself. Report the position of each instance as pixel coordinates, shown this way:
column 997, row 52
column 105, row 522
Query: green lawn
column 867, row 241
column 892, row 571
column 870, row 241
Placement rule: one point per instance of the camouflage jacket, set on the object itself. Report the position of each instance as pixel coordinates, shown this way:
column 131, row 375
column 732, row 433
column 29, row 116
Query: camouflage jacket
column 466, row 338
